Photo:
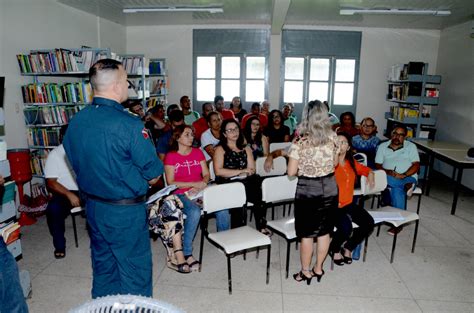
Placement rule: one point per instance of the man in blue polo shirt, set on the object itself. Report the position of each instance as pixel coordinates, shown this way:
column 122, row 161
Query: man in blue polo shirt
column 114, row 161
column 400, row 160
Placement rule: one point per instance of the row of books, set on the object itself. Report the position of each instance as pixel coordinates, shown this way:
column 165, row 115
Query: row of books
column 57, row 93
column 59, row 61
column 403, row 91
column 50, row 115
column 134, row 65
column 154, row 101
column 43, row 137
column 38, row 162
column 400, row 113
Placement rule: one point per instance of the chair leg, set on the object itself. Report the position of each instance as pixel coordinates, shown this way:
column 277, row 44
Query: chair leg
column 268, row 263
column 284, row 209
column 414, row 236
column 201, row 248
column 394, row 244
column 258, row 250
column 288, row 244
column 373, row 202
column 378, row 230
column 365, row 248
column 229, row 275
column 245, row 255
column 332, row 264
column 419, row 205
column 74, row 227
column 273, row 212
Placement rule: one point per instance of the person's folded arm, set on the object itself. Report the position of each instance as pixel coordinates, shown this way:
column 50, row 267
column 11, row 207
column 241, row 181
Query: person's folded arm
column 219, row 169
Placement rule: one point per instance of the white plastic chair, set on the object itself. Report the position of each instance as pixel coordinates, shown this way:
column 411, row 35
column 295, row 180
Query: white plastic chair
column 279, row 146
column 276, row 191
column 279, row 167
column 408, row 217
column 223, row 197
column 125, row 304
column 361, row 158
column 212, row 174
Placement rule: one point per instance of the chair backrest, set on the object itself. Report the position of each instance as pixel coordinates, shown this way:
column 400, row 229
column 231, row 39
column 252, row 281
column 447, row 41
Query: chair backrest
column 279, row 145
column 222, row 197
column 380, row 183
column 281, row 188
column 212, row 175
column 279, row 167
column 361, row 158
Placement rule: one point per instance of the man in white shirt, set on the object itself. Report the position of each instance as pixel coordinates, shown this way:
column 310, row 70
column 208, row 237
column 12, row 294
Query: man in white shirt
column 61, row 183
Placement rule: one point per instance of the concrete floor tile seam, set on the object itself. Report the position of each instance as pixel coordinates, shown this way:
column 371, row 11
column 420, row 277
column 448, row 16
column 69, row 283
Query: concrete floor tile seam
column 345, row 296
column 224, row 288
column 63, row 275
column 445, row 301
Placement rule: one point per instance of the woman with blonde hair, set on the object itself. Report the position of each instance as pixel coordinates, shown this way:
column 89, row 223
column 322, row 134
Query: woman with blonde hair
column 313, row 158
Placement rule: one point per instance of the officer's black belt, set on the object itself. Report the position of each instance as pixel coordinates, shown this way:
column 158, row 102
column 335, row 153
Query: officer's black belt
column 129, row 201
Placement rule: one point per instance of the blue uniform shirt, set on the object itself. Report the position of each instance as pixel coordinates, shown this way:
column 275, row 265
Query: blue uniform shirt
column 110, row 152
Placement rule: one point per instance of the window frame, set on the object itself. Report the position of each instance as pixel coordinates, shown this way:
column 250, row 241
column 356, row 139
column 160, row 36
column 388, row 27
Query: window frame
column 335, row 108
column 218, row 78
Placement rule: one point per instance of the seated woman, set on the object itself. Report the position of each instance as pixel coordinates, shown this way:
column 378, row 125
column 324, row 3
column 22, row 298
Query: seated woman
column 210, row 138
column 186, row 168
column 347, row 124
column 257, row 142
column 275, row 130
column 233, row 159
column 346, row 172
column 367, row 142
column 236, row 107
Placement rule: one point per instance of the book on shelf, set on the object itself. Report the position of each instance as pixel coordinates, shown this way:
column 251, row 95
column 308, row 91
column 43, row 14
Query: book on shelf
column 156, row 67
column 133, row 65
column 57, row 93
column 10, row 232
column 59, row 61
column 56, row 115
column 43, row 137
column 38, row 162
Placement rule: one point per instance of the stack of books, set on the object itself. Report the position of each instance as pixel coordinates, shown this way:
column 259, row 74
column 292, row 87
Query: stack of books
column 10, row 232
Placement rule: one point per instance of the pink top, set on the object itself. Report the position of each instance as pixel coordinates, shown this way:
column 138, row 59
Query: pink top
column 187, row 168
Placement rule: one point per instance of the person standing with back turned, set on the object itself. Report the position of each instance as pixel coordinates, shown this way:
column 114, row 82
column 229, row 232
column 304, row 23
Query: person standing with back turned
column 114, row 162
column 313, row 157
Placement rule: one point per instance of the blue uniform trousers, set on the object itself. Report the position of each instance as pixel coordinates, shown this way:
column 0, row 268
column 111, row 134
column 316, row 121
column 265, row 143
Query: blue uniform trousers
column 120, row 249
column 11, row 294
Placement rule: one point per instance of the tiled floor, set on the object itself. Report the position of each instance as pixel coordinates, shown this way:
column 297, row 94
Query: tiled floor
column 438, row 277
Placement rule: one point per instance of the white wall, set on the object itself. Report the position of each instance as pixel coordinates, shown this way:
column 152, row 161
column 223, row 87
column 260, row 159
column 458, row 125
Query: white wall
column 175, row 44
column 456, row 108
column 46, row 24
column 381, row 48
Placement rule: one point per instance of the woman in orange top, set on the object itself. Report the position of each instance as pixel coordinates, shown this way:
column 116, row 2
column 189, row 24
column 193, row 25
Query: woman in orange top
column 343, row 243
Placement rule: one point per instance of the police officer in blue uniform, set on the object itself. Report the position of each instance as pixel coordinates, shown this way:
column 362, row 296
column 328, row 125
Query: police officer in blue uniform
column 114, row 162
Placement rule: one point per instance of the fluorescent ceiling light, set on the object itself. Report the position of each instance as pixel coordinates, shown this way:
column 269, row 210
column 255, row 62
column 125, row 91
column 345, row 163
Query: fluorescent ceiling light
column 210, row 9
column 395, row 12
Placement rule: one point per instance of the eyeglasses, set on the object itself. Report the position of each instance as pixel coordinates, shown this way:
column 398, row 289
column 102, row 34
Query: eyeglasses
column 398, row 134
column 131, row 85
column 232, row 130
column 343, row 142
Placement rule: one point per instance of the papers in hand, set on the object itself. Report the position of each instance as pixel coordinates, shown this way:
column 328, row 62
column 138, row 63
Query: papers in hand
column 386, row 216
column 194, row 195
column 163, row 192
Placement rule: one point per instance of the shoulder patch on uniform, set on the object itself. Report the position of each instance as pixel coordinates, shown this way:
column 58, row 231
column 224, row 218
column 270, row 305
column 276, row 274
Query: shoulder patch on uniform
column 145, row 133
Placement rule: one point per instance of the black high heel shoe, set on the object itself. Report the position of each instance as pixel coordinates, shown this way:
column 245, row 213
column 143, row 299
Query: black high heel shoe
column 318, row 276
column 299, row 277
column 338, row 262
column 346, row 259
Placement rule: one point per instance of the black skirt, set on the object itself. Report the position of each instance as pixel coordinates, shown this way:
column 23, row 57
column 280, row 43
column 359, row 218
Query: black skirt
column 315, row 201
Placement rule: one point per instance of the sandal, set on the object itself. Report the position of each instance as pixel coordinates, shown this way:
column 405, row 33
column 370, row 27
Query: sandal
column 182, row 268
column 347, row 259
column 193, row 266
column 59, row 254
